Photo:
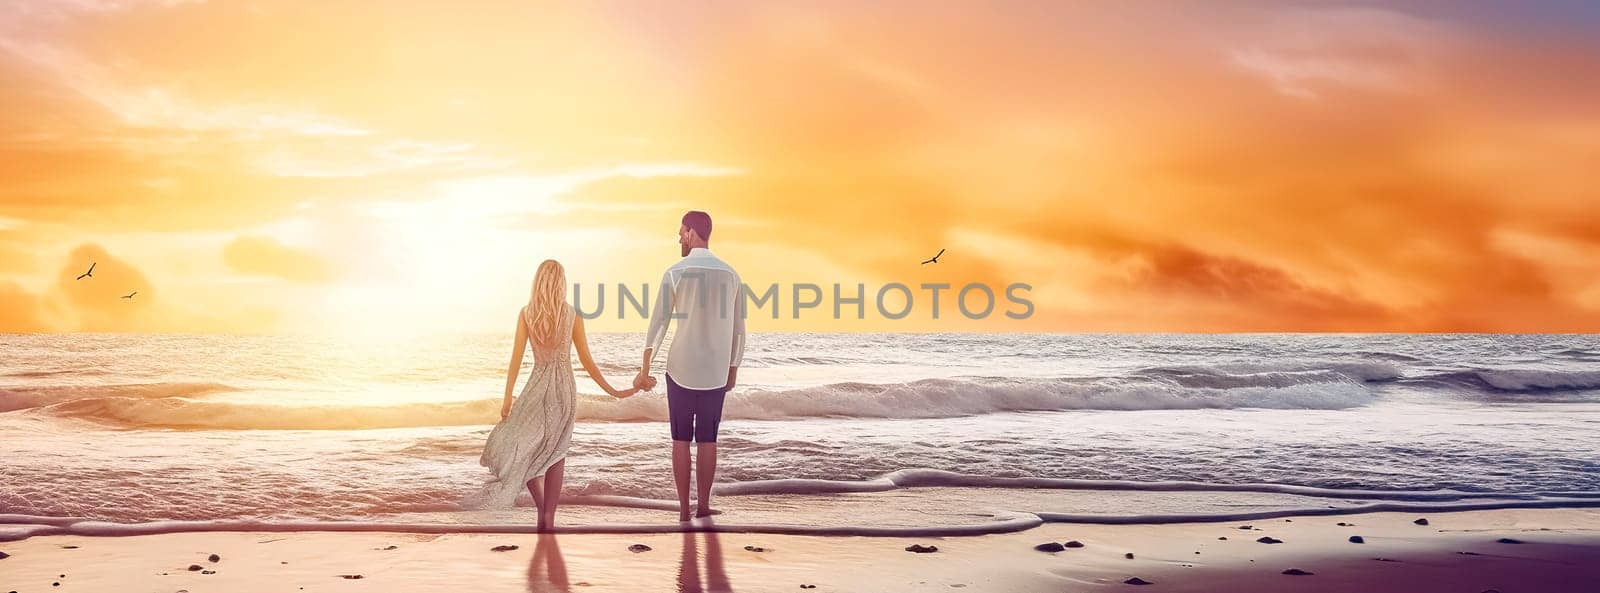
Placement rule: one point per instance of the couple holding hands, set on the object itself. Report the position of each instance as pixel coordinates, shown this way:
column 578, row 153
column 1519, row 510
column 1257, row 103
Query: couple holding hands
column 528, row 448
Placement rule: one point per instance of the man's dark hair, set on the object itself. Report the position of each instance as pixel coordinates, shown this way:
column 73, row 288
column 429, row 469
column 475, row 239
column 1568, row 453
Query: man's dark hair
column 698, row 222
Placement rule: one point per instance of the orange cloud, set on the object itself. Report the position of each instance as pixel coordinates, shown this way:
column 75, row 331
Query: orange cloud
column 92, row 303
column 265, row 256
column 1246, row 296
column 21, row 311
column 15, row 257
column 95, row 302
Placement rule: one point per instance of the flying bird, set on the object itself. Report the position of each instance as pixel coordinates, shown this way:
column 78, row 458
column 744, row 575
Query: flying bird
column 90, row 273
column 130, row 295
column 935, row 258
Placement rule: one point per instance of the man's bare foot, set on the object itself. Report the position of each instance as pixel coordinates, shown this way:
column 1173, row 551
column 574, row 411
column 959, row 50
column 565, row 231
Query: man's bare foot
column 705, row 512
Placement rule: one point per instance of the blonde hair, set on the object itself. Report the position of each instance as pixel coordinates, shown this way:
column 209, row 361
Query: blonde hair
column 546, row 303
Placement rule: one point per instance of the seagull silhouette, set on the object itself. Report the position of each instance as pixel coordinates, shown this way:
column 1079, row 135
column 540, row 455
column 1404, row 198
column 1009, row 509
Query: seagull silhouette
column 90, row 273
column 130, row 295
column 935, row 258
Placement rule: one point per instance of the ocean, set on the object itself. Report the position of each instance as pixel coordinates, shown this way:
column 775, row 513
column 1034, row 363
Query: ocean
column 826, row 433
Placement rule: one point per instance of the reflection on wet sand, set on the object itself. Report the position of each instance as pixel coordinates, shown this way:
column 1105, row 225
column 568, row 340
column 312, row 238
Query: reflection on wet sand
column 689, row 570
column 547, row 572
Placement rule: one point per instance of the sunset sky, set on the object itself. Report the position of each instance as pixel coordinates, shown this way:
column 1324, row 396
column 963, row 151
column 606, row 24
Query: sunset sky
column 391, row 167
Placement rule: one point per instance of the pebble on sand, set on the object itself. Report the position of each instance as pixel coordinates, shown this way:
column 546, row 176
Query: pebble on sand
column 754, row 549
column 1342, row 524
column 1051, row 547
column 637, row 548
column 389, row 547
column 195, row 567
column 1267, row 539
column 1073, row 544
column 1295, row 572
column 502, row 548
column 803, row 586
column 214, row 558
column 1137, row 581
column 921, row 549
column 351, row 576
column 1423, row 521
column 208, row 572
column 1507, row 540
column 1356, row 539
column 4, row 555
column 1223, row 538
column 1128, row 555
column 1247, row 527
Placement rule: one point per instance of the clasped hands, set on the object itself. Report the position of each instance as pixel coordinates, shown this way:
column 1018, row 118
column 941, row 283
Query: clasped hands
column 643, row 381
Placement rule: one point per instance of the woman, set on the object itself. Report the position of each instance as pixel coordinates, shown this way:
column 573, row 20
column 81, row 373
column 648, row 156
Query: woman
column 529, row 446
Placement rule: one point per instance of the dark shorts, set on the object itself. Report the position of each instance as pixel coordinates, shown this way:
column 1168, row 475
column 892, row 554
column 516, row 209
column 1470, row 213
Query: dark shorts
column 695, row 413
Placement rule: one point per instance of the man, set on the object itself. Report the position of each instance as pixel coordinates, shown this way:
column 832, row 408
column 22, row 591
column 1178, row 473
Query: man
column 703, row 293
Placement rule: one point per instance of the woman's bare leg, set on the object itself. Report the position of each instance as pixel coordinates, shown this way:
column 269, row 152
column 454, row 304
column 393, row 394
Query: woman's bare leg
column 552, row 493
column 536, row 488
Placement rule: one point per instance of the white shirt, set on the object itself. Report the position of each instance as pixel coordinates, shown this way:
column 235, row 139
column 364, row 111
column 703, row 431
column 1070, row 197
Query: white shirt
column 703, row 293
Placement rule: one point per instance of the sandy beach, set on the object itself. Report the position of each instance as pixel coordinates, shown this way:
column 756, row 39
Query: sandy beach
column 1514, row 550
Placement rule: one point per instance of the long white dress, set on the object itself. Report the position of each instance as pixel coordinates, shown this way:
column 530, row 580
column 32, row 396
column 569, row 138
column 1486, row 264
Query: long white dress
column 537, row 432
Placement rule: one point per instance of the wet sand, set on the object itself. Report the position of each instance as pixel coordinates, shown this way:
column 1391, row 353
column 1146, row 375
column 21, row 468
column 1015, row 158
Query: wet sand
column 1508, row 550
